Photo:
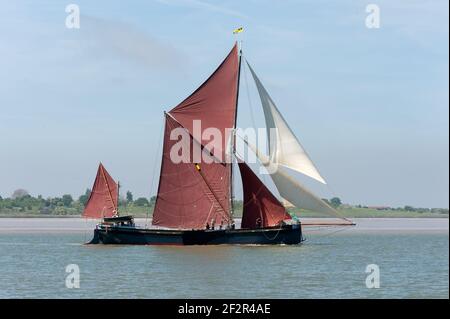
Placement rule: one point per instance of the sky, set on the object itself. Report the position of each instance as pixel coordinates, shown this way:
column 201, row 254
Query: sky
column 370, row 106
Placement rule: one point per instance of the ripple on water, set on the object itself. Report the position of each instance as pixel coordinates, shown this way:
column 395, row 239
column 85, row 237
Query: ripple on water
column 412, row 265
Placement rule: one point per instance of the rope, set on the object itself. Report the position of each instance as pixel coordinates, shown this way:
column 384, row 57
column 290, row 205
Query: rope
column 248, row 97
column 276, row 235
column 85, row 227
column 341, row 229
column 154, row 169
column 264, row 177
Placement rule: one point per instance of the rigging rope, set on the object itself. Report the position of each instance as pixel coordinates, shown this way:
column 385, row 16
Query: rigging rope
column 85, row 227
column 251, row 110
column 154, row 170
column 340, row 229
column 273, row 238
column 248, row 97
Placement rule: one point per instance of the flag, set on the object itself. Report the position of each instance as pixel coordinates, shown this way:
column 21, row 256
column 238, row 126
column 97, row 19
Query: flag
column 238, row 30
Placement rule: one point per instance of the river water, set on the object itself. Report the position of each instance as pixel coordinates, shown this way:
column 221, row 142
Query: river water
column 412, row 256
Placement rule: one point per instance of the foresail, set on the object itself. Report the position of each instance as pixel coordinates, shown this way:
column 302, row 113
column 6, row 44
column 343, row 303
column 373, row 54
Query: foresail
column 293, row 191
column 284, row 147
column 298, row 195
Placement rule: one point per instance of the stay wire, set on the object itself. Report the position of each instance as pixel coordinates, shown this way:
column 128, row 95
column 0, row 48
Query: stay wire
column 155, row 159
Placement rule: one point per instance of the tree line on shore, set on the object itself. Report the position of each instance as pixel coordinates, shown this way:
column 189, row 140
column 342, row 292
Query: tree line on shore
column 21, row 202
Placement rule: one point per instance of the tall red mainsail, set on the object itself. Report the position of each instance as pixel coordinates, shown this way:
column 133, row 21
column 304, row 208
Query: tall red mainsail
column 194, row 194
column 103, row 199
column 214, row 102
column 261, row 207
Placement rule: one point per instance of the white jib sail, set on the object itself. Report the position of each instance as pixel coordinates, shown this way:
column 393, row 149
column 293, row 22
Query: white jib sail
column 291, row 190
column 284, row 148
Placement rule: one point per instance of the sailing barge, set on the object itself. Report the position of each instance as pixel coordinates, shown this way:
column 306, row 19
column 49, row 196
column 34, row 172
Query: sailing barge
column 194, row 203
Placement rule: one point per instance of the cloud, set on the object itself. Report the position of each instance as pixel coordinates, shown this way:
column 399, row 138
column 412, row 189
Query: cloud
column 197, row 4
column 124, row 41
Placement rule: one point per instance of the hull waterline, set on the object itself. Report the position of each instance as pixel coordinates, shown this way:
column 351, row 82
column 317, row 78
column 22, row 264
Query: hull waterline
column 118, row 235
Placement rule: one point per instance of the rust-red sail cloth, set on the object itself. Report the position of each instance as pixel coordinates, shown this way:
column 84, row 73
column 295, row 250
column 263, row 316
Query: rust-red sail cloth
column 213, row 103
column 261, row 207
column 193, row 196
column 190, row 195
column 103, row 199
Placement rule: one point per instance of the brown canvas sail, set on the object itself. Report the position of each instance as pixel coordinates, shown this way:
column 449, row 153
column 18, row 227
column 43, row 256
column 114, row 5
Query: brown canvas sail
column 261, row 207
column 194, row 194
column 214, row 102
column 103, row 199
column 190, row 195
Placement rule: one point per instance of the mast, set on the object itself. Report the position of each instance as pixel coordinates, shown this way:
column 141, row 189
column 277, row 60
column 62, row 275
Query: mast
column 118, row 198
column 233, row 136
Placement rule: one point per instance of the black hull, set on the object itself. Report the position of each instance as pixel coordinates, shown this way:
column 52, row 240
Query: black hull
column 117, row 235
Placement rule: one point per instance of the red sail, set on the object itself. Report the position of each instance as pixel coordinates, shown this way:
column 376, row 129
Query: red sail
column 261, row 207
column 103, row 199
column 213, row 103
column 190, row 195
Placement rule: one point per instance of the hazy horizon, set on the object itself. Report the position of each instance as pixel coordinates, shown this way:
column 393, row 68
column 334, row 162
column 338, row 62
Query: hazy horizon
column 369, row 105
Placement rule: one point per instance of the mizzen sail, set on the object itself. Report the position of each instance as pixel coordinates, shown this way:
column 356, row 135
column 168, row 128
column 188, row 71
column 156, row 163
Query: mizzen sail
column 284, row 147
column 260, row 208
column 104, row 195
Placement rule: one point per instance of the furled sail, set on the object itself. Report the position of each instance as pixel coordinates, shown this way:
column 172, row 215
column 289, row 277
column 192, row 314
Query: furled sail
column 190, row 195
column 213, row 103
column 103, row 199
column 284, row 147
column 261, row 208
column 292, row 190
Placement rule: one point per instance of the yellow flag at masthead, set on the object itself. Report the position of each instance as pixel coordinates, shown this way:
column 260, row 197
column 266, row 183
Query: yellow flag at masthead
column 238, row 30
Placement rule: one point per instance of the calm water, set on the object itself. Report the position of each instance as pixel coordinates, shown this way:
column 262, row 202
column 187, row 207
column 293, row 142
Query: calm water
column 413, row 261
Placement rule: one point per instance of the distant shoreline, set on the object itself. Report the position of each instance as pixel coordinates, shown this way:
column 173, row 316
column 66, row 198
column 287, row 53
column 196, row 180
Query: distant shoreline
column 85, row 226
column 27, row 206
column 306, row 215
